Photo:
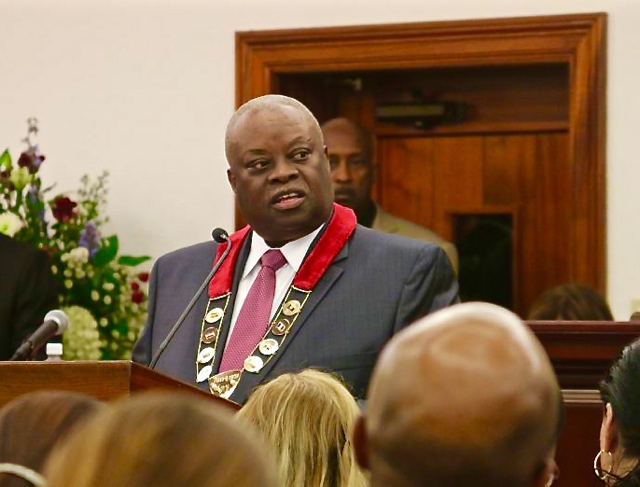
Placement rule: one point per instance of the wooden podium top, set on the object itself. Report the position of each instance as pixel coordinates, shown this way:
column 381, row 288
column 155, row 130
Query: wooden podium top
column 104, row 380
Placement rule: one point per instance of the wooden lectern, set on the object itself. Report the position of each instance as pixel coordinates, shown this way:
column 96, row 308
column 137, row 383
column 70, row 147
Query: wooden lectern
column 105, row 380
column 581, row 353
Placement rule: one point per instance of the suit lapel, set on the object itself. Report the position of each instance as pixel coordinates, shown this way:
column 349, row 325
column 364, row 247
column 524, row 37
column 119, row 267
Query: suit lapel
column 331, row 275
column 226, row 324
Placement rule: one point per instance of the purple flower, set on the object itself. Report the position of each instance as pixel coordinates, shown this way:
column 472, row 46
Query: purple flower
column 90, row 239
column 31, row 159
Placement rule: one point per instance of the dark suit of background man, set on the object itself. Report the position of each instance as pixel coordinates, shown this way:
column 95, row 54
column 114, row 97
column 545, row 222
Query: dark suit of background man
column 27, row 293
column 358, row 286
column 351, row 155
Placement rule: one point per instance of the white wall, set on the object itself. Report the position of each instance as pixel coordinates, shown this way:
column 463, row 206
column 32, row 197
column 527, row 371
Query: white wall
column 144, row 89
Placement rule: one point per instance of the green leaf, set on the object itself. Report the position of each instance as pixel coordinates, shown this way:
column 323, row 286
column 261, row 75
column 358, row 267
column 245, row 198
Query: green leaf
column 130, row 261
column 5, row 159
column 107, row 252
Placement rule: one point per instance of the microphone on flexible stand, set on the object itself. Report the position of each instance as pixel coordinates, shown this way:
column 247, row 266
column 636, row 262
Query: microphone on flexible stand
column 220, row 236
column 55, row 323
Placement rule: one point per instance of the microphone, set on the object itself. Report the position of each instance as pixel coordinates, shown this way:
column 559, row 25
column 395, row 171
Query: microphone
column 55, row 323
column 220, row 236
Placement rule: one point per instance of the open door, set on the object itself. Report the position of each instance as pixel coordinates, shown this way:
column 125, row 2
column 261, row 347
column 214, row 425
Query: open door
column 516, row 180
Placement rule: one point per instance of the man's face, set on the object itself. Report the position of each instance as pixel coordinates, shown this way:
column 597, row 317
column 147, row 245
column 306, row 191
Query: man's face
column 280, row 173
column 351, row 168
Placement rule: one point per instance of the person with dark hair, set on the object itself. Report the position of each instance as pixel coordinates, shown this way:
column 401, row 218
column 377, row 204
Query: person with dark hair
column 618, row 461
column 27, row 292
column 353, row 170
column 30, row 426
column 570, row 302
column 463, row 397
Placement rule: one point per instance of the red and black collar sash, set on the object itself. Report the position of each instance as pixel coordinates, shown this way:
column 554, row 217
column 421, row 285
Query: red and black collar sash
column 335, row 236
column 340, row 227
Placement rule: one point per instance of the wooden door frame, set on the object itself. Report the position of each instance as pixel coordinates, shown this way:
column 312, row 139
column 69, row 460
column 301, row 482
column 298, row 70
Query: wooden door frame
column 578, row 40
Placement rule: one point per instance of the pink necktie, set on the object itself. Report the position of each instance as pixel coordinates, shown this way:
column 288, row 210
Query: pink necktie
column 253, row 318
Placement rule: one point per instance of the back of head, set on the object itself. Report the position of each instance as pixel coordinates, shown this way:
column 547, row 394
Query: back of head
column 162, row 440
column 621, row 389
column 465, row 396
column 306, row 419
column 570, row 302
column 31, row 425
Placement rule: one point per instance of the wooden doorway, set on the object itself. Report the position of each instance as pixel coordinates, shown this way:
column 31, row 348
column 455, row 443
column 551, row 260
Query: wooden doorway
column 529, row 154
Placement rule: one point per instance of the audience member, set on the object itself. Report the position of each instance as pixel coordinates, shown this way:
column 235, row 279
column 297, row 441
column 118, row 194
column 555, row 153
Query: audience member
column 163, row 440
column 306, row 419
column 30, row 426
column 463, row 397
column 617, row 462
column 352, row 156
column 570, row 302
column 27, row 292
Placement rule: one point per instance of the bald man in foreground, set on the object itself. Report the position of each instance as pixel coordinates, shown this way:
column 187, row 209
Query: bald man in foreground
column 464, row 397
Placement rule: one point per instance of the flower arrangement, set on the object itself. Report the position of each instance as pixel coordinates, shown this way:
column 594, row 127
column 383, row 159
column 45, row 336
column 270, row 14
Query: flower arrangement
column 103, row 294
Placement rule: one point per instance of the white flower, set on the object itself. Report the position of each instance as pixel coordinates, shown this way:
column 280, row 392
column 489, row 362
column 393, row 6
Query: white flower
column 10, row 224
column 79, row 255
column 107, row 300
column 67, row 273
column 68, row 283
column 20, row 177
column 95, row 295
column 81, row 340
column 108, row 286
column 103, row 322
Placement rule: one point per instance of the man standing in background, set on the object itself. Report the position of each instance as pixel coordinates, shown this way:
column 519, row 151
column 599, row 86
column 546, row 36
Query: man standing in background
column 350, row 148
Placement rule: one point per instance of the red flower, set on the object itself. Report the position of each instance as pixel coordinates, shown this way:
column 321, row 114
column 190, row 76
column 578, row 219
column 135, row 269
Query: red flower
column 63, row 208
column 135, row 286
column 137, row 297
column 143, row 276
column 31, row 159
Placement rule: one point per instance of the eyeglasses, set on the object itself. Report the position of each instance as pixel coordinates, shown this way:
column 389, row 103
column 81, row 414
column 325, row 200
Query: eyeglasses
column 24, row 473
column 600, row 472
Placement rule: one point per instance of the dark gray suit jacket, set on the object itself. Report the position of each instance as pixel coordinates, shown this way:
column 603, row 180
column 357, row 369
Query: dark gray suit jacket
column 376, row 285
column 27, row 291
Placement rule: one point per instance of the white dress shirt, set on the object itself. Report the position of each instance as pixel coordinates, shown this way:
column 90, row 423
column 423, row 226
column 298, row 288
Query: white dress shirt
column 293, row 252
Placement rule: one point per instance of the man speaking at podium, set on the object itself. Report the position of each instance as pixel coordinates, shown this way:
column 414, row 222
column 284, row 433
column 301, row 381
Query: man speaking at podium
column 303, row 284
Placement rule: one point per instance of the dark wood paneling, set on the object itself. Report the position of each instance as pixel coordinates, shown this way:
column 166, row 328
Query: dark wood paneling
column 574, row 44
column 582, row 353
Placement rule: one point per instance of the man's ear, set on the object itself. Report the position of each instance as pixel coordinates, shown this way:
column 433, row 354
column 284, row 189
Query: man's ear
column 360, row 442
column 608, row 434
column 232, row 180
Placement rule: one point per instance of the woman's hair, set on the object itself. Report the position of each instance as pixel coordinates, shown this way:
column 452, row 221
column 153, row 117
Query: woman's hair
column 621, row 389
column 31, row 425
column 306, row 419
column 570, row 302
column 163, row 440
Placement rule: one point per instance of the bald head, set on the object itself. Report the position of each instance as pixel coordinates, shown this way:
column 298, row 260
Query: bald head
column 465, row 396
column 278, row 168
column 267, row 103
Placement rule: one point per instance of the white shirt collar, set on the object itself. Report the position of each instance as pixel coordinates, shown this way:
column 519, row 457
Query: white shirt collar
column 293, row 251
